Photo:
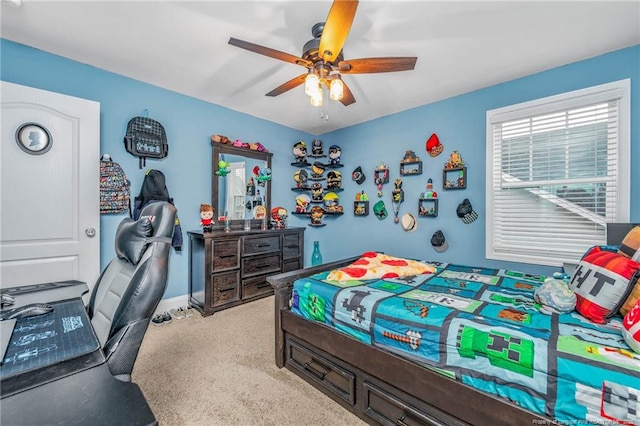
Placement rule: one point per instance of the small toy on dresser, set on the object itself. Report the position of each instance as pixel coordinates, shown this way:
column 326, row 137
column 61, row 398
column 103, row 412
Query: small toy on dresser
column 206, row 217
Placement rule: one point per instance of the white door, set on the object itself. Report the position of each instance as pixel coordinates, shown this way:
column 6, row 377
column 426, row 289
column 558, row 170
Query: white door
column 49, row 187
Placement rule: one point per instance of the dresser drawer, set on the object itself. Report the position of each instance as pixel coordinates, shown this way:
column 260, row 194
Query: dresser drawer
column 291, row 265
column 291, row 247
column 225, row 254
column 260, row 265
column 260, row 244
column 387, row 407
column 256, row 286
column 327, row 374
column 225, row 288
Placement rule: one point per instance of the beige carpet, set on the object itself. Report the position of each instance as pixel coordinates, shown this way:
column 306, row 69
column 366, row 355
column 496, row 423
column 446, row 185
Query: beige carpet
column 220, row 370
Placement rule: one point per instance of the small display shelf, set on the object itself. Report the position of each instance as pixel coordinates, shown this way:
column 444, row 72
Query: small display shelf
column 333, row 165
column 361, row 208
column 301, row 164
column 454, row 178
column 428, row 207
column 410, row 164
column 317, row 225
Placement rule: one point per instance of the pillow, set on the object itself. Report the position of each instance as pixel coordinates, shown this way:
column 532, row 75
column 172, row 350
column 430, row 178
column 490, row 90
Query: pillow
column 631, row 328
column 555, row 296
column 131, row 239
column 377, row 265
column 630, row 246
column 602, row 282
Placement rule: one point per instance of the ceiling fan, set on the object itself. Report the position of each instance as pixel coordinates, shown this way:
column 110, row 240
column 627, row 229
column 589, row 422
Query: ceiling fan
column 323, row 58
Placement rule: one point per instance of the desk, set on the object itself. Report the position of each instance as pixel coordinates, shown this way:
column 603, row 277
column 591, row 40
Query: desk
column 79, row 389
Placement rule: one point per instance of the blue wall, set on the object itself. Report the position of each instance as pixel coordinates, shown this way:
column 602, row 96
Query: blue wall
column 459, row 123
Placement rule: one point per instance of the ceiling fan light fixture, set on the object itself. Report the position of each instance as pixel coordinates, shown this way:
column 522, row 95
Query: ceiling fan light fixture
column 336, row 89
column 311, row 84
column 316, row 98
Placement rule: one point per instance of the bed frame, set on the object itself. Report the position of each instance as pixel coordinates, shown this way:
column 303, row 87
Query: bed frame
column 376, row 385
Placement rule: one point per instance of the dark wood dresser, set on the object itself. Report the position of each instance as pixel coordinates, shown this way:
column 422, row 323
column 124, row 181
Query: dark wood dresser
column 231, row 268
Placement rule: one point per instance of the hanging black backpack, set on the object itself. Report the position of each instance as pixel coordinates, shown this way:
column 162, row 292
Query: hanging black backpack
column 146, row 138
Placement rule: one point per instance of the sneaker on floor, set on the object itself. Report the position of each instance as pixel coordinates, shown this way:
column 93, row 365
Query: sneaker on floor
column 166, row 316
column 158, row 320
column 188, row 312
column 178, row 313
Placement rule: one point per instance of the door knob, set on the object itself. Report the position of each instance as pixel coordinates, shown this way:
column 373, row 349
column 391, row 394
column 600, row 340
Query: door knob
column 91, row 232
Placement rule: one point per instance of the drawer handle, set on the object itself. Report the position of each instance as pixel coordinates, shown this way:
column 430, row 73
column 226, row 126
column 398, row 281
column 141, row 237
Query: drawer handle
column 401, row 422
column 317, row 373
column 263, row 285
column 222, row 290
column 263, row 245
column 292, row 246
column 224, row 256
column 264, row 265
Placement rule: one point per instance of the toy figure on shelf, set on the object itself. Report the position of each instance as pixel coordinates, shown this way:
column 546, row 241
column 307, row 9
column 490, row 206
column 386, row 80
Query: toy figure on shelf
column 381, row 177
column 334, row 179
column 316, row 192
column 279, row 216
column 301, row 176
column 206, row 217
column 429, row 193
column 316, row 148
column 455, row 161
column 316, row 215
column 331, row 202
column 251, row 187
column 263, row 174
column 361, row 205
column 334, row 154
column 317, row 170
column 302, row 202
column 397, row 197
column 300, row 152
column 223, row 168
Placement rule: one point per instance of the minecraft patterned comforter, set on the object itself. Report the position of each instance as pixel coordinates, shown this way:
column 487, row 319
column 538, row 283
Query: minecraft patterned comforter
column 482, row 327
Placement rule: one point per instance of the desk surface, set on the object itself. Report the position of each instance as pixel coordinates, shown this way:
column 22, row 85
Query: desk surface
column 79, row 393
column 49, row 346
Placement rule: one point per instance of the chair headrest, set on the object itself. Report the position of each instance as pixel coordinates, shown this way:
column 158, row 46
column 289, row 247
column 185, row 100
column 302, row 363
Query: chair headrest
column 156, row 221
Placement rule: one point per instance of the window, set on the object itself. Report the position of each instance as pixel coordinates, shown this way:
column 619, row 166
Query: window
column 557, row 172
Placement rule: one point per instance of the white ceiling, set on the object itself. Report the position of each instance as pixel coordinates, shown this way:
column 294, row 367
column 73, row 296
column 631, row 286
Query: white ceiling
column 461, row 47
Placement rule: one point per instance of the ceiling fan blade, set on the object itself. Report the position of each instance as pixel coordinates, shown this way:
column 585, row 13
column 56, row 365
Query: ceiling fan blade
column 294, row 82
column 336, row 28
column 373, row 65
column 347, row 96
column 272, row 53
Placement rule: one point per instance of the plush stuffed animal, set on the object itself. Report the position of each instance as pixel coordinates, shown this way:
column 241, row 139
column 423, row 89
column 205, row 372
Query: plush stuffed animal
column 555, row 296
column 223, row 168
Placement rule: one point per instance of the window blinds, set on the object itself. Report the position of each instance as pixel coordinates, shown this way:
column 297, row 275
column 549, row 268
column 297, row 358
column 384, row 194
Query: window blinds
column 554, row 179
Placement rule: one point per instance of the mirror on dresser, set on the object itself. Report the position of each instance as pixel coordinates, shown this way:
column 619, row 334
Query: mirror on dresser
column 239, row 192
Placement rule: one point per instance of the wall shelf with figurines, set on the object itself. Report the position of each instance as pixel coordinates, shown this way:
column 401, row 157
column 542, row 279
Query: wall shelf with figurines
column 410, row 164
column 311, row 183
column 454, row 174
column 428, row 202
column 381, row 176
column 361, row 204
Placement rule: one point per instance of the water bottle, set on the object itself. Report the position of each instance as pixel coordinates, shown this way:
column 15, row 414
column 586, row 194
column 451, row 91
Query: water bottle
column 316, row 256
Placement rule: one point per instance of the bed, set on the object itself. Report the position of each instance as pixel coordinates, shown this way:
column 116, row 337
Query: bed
column 416, row 350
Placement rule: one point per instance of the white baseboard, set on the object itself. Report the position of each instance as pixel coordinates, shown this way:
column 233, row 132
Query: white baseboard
column 166, row 305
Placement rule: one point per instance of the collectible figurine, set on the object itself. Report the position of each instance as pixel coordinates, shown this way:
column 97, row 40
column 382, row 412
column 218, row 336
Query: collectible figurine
column 334, row 154
column 381, row 177
column 300, row 152
column 397, row 197
column 317, row 170
column 331, row 202
column 334, row 179
column 301, row 177
column 223, row 168
column 316, row 215
column 302, row 202
column 251, row 187
column 262, row 174
column 455, row 161
column 316, row 192
column 430, row 193
column 316, row 148
column 206, row 217
column 279, row 216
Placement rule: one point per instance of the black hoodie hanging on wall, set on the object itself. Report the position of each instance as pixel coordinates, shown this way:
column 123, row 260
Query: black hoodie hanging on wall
column 146, row 138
